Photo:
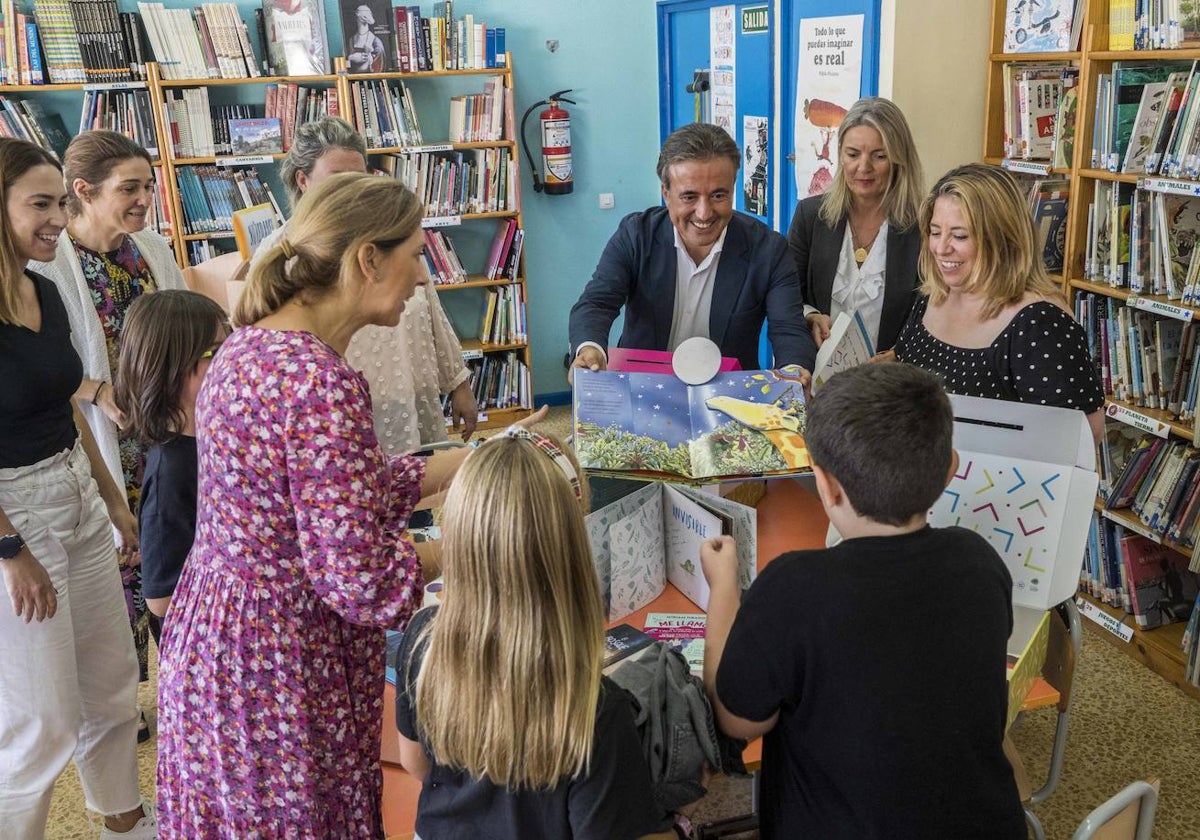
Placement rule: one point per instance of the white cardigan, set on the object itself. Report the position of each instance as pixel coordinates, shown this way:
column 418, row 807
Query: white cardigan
column 86, row 333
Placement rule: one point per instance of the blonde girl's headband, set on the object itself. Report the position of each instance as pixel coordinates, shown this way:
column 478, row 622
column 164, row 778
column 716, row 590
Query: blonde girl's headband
column 551, row 449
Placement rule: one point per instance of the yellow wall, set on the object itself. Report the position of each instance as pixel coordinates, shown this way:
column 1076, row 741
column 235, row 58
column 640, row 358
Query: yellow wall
column 933, row 64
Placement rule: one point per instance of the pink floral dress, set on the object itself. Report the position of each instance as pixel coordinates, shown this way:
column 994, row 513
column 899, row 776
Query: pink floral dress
column 272, row 667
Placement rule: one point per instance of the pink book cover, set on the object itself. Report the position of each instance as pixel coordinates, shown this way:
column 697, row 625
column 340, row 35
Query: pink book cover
column 630, row 360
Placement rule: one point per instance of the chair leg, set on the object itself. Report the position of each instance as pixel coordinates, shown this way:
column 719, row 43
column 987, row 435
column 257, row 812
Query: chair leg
column 1035, row 824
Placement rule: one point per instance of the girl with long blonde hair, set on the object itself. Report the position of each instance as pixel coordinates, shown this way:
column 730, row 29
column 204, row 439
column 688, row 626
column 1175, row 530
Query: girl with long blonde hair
column 503, row 711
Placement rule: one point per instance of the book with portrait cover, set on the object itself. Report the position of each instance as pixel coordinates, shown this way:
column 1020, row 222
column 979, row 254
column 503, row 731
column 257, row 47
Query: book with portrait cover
column 368, row 35
column 739, row 423
column 297, row 44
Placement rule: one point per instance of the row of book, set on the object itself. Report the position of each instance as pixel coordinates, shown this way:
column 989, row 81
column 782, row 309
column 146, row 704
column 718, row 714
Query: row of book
column 211, row 194
column 294, row 105
column 500, row 380
column 441, row 258
column 1147, row 119
column 1153, row 24
column 504, row 316
column 1143, row 359
column 127, row 112
column 384, row 113
column 1146, row 579
column 1155, row 479
column 70, row 41
column 208, row 42
column 1048, row 198
column 479, row 117
column 1144, row 239
column 1039, row 103
column 458, row 182
column 440, row 42
column 504, row 255
column 26, row 119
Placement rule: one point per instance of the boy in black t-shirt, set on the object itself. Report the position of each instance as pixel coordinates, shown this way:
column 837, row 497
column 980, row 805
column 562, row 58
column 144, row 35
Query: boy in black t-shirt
column 876, row 668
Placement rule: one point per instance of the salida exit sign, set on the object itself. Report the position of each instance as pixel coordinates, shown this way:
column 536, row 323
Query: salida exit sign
column 754, row 19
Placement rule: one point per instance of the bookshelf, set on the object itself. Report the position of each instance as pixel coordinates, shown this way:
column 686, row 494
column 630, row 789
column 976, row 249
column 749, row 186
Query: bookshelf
column 487, row 306
column 1159, row 649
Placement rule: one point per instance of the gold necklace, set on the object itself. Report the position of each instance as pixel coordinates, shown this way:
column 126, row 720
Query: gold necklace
column 860, row 252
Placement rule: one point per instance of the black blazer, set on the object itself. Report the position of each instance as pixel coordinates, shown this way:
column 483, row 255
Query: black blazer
column 816, row 248
column 755, row 280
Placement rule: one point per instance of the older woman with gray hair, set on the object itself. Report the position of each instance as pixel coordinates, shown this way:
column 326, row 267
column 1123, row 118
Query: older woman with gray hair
column 409, row 366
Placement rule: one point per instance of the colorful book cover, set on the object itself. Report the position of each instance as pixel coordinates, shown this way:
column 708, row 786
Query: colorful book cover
column 683, row 632
column 1162, row 590
column 740, row 423
column 256, row 136
column 296, row 39
column 849, row 345
column 1045, row 26
column 368, row 31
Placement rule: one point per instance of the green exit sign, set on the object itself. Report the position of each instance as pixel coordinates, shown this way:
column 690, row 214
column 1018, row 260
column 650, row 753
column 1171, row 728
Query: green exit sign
column 754, row 19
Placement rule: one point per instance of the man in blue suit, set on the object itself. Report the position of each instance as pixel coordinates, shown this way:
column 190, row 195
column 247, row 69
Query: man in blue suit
column 694, row 267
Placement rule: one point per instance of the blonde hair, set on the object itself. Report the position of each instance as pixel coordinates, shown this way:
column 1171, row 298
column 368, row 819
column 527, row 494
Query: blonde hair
column 511, row 682
column 902, row 197
column 17, row 158
column 320, row 250
column 1008, row 262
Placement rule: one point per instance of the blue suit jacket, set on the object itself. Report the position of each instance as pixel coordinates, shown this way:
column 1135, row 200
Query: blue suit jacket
column 756, row 279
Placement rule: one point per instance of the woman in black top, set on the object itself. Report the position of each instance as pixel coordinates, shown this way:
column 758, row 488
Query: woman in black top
column 68, row 676
column 994, row 325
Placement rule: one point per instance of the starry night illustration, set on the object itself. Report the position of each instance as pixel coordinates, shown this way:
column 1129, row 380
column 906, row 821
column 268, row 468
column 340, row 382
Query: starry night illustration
column 740, row 423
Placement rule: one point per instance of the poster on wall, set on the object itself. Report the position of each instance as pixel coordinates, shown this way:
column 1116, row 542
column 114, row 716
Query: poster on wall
column 828, row 76
column 754, row 166
column 722, row 63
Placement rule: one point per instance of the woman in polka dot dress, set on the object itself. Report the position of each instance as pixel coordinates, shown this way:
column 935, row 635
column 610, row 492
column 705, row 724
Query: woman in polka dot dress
column 992, row 323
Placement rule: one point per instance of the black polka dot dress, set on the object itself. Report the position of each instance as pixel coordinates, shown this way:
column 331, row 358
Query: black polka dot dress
column 1040, row 357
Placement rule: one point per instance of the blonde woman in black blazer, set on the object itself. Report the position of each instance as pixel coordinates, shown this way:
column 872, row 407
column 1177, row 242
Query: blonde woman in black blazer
column 856, row 246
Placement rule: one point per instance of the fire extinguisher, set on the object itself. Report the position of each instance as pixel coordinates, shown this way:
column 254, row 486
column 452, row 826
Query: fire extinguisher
column 558, row 176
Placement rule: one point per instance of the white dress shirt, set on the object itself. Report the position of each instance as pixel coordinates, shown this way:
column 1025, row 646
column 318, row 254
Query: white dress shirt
column 860, row 288
column 693, row 291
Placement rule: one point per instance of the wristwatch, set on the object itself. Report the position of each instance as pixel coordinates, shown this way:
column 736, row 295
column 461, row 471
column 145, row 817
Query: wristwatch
column 10, row 546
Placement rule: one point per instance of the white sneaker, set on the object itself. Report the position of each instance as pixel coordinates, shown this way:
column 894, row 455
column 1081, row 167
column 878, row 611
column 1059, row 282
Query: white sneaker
column 145, row 829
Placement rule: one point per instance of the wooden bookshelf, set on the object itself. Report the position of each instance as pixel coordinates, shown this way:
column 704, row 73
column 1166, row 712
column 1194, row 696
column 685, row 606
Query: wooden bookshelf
column 1159, row 649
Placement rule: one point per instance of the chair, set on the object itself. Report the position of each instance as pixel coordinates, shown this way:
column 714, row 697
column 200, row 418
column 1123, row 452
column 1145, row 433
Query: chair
column 1062, row 652
column 218, row 279
column 1127, row 815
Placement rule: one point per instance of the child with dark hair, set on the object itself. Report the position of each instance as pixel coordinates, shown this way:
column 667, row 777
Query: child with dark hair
column 169, row 340
column 875, row 668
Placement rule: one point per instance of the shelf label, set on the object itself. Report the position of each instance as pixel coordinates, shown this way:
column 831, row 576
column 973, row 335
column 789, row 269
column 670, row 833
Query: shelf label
column 244, row 160
column 1169, row 185
column 115, row 86
column 1029, row 167
column 1159, row 307
column 1138, row 420
column 1131, row 524
column 433, row 147
column 441, row 221
column 472, row 354
column 1113, row 625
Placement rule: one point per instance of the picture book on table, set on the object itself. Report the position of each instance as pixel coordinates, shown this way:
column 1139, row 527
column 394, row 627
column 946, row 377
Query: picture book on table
column 369, row 35
column 256, row 137
column 1161, row 589
column 848, row 345
column 683, row 632
column 653, row 536
column 739, row 423
column 1032, row 26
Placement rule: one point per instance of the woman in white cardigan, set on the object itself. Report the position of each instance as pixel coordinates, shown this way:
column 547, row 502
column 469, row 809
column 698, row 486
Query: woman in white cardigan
column 104, row 260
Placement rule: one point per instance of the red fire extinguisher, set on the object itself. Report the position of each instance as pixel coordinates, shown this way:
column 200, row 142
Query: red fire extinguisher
column 558, row 177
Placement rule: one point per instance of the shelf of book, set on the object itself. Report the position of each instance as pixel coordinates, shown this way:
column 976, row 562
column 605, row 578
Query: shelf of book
column 444, row 147
column 429, row 74
column 1084, row 273
column 474, row 281
column 473, row 348
column 1159, row 649
column 248, row 80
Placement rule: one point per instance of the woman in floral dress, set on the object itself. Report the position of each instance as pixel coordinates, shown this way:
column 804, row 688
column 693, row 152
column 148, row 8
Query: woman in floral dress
column 105, row 260
column 272, row 668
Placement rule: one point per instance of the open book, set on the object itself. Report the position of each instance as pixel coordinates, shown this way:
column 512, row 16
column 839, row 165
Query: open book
column 653, row 536
column 849, row 345
column 740, row 423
